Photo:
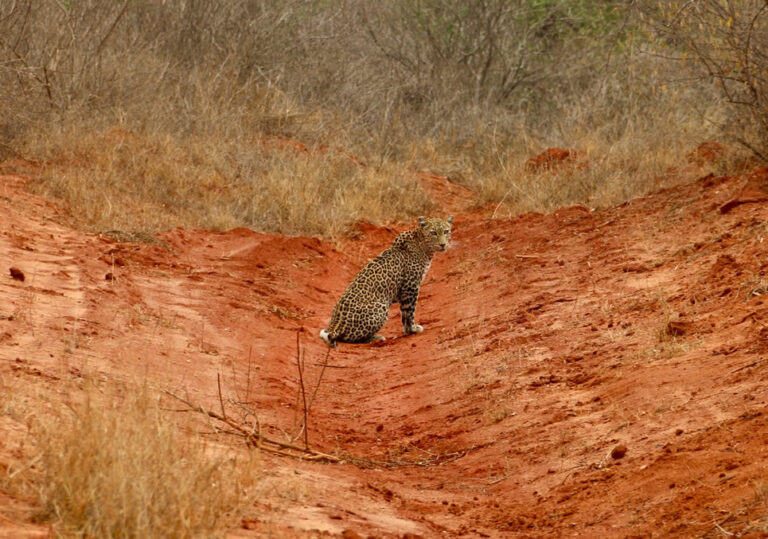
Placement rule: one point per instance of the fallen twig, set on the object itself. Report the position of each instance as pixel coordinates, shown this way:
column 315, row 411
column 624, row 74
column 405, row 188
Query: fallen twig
column 221, row 400
column 718, row 525
column 253, row 436
column 331, row 366
column 300, row 365
column 748, row 365
column 259, row 440
column 319, row 379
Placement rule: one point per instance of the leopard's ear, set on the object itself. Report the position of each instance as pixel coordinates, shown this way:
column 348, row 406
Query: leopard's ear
column 422, row 222
column 450, row 220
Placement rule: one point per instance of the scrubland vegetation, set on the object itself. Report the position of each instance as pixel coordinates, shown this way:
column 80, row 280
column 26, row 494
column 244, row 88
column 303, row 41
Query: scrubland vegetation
column 119, row 467
column 153, row 114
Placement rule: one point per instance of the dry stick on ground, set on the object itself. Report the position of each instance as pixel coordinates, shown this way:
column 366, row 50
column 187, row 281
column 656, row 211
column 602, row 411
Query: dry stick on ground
column 298, row 423
column 331, row 366
column 300, row 365
column 257, row 427
column 261, row 441
column 308, row 407
column 248, row 375
column 253, row 434
column 748, row 365
column 293, row 451
column 319, row 379
column 242, row 399
column 221, row 400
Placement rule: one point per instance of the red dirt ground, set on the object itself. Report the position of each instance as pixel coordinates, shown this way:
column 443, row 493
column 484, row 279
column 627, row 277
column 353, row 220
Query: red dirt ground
column 582, row 373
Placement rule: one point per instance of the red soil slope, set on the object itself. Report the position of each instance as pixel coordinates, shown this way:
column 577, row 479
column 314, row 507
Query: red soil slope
column 594, row 373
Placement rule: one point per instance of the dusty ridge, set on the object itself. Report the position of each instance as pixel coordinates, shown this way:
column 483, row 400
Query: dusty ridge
column 550, row 340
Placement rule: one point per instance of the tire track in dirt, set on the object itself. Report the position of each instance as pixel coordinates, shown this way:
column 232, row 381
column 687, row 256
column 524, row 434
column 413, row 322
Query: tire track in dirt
column 51, row 297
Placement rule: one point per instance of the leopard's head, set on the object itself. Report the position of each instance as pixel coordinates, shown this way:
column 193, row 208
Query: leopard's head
column 437, row 232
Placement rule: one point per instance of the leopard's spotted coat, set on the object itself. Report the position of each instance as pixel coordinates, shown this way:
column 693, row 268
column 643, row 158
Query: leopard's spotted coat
column 392, row 277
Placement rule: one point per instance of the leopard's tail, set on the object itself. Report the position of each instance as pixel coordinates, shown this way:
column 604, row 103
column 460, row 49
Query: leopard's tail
column 329, row 340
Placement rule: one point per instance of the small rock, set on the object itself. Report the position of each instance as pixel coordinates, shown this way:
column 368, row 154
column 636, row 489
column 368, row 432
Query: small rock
column 249, row 523
column 110, row 276
column 349, row 534
column 17, row 274
column 678, row 432
column 555, row 158
column 678, row 328
column 619, row 451
column 706, row 152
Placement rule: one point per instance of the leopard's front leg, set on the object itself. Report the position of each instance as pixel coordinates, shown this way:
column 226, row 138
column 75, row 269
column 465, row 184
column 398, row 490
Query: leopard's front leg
column 408, row 298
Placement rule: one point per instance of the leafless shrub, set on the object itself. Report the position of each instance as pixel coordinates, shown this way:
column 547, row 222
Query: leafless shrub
column 725, row 44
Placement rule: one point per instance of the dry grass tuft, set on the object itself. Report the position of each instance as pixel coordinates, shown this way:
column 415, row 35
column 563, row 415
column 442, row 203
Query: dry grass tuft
column 122, row 469
column 151, row 183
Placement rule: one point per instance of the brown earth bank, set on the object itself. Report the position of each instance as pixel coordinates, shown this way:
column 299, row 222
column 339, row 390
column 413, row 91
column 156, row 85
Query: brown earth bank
column 581, row 373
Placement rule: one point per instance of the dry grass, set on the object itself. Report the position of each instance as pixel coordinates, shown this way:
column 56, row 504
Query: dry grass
column 120, row 468
column 152, row 183
column 153, row 115
column 632, row 132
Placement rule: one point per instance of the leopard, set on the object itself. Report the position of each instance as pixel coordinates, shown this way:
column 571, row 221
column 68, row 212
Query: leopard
column 395, row 276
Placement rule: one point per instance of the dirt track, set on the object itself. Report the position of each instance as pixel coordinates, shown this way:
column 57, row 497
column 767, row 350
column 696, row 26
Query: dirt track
column 550, row 341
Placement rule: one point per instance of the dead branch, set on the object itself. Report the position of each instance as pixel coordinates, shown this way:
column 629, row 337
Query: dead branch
column 221, row 400
column 300, row 366
column 331, row 366
column 308, row 406
column 748, row 365
column 253, row 436
column 319, row 379
column 259, row 440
